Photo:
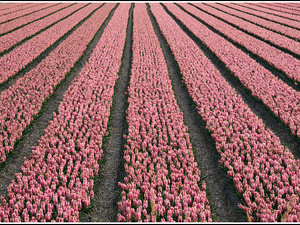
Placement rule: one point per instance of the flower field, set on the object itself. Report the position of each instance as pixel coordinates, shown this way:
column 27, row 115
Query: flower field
column 149, row 112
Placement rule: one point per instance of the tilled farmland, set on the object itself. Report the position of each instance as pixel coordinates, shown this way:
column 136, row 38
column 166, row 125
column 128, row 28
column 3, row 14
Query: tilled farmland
column 149, row 112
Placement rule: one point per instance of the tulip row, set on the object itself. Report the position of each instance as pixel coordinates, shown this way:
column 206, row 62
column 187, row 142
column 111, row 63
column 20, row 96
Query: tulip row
column 273, row 18
column 9, row 40
column 287, row 31
column 21, row 56
column 273, row 92
column 267, row 9
column 13, row 24
column 15, row 7
column 20, row 103
column 57, row 180
column 294, row 6
column 161, row 182
column 263, row 171
column 25, row 12
column 6, row 6
column 265, row 34
column 279, row 9
column 275, row 57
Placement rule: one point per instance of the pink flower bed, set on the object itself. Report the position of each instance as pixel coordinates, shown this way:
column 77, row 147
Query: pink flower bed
column 268, row 35
column 22, row 101
column 9, row 40
column 13, row 24
column 19, row 57
column 293, row 6
column 282, row 8
column 290, row 32
column 263, row 171
column 161, row 183
column 5, row 6
column 290, row 14
column 57, row 180
column 14, row 7
column 273, row 92
column 273, row 18
column 34, row 8
column 277, row 58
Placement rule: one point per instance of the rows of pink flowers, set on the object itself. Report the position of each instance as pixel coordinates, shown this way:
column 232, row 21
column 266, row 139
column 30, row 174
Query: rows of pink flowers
column 14, row 7
column 274, row 18
column 5, row 6
column 13, row 24
column 277, row 58
column 290, row 32
column 34, row 8
column 22, row 101
column 263, row 171
column 294, row 6
column 22, row 55
column 72, row 140
column 282, row 100
column 265, row 34
column 282, row 8
column 161, row 182
column 290, row 14
column 9, row 40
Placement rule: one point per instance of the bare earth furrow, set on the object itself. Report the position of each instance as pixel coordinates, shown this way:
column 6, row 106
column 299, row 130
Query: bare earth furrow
column 224, row 203
column 111, row 169
column 162, row 181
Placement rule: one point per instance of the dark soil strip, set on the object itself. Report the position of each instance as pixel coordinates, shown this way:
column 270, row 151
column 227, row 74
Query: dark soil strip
column 251, row 34
column 276, row 72
column 259, row 10
column 33, row 21
column 29, row 13
column 36, row 129
column 221, row 192
column 107, row 191
column 10, row 81
column 257, row 106
column 283, row 24
column 295, row 39
column 40, row 31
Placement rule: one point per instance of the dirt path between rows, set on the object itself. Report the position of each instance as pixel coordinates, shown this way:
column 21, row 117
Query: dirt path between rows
column 106, row 189
column 223, row 202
